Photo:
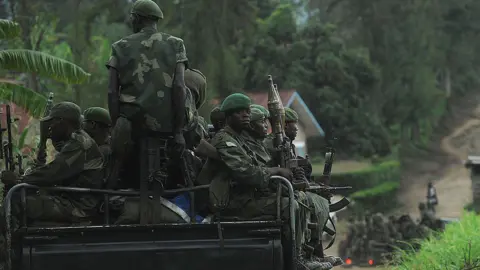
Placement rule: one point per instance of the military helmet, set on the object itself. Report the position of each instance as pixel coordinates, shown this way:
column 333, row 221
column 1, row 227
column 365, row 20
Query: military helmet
column 147, row 8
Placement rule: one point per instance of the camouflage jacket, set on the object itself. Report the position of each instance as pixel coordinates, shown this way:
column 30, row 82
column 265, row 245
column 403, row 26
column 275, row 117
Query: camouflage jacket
column 239, row 165
column 258, row 147
column 78, row 164
column 146, row 63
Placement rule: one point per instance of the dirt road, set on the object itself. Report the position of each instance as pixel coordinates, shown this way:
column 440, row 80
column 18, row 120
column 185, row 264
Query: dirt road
column 453, row 185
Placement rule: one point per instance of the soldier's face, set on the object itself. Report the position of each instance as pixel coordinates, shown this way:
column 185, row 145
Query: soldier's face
column 58, row 130
column 291, row 129
column 240, row 119
column 260, row 128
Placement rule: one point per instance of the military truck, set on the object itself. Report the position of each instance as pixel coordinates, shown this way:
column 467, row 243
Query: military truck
column 224, row 242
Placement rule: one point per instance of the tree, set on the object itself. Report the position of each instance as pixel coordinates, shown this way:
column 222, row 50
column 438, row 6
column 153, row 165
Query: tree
column 33, row 62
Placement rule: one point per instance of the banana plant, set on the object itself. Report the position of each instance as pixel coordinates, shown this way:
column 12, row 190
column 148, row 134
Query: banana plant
column 36, row 62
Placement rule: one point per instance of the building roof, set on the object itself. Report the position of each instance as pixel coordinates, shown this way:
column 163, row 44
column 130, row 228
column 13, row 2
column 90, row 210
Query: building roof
column 291, row 99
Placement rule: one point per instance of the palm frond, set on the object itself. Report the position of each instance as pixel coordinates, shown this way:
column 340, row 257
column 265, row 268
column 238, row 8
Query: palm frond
column 43, row 64
column 9, row 29
column 33, row 102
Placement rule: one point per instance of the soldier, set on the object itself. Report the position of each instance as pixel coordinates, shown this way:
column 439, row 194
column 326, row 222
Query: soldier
column 360, row 239
column 427, row 217
column 146, row 96
column 237, row 163
column 393, row 229
column 217, row 118
column 97, row 124
column 256, row 133
column 319, row 203
column 379, row 237
column 78, row 164
column 432, row 199
column 196, row 127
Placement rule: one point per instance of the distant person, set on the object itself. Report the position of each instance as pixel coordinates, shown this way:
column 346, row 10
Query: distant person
column 432, row 199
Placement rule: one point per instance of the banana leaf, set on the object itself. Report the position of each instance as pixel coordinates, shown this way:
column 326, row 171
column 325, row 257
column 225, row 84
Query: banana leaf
column 9, row 29
column 42, row 64
column 33, row 102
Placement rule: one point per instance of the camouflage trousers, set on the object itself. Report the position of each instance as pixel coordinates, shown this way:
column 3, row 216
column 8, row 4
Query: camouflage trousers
column 267, row 206
column 39, row 208
column 319, row 214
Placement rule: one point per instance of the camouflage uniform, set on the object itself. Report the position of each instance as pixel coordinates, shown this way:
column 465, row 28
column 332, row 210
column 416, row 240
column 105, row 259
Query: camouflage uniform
column 145, row 62
column 196, row 127
column 238, row 164
column 99, row 116
column 78, row 164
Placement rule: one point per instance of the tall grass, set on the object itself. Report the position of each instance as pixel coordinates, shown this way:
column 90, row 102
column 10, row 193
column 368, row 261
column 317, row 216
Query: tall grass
column 457, row 248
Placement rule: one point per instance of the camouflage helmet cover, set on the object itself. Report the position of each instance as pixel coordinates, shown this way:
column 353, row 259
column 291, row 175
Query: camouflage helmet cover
column 147, row 8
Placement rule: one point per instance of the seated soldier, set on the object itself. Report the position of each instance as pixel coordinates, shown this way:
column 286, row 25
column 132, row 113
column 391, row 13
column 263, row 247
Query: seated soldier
column 97, row 123
column 217, row 118
column 255, row 136
column 238, row 164
column 78, row 164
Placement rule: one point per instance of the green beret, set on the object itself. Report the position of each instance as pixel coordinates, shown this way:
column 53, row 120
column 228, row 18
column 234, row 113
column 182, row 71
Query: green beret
column 97, row 114
column 216, row 115
column 256, row 114
column 261, row 108
column 290, row 115
column 235, row 101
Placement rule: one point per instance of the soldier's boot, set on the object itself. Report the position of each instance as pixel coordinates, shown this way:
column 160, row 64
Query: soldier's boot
column 303, row 264
column 335, row 261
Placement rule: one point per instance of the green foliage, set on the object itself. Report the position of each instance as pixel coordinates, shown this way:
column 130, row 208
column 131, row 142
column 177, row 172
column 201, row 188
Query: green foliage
column 33, row 102
column 9, row 29
column 42, row 64
column 371, row 177
column 457, row 248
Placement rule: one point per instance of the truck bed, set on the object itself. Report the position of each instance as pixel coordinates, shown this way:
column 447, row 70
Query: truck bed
column 252, row 245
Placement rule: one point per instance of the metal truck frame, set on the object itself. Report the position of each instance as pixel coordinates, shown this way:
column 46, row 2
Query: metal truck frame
column 225, row 243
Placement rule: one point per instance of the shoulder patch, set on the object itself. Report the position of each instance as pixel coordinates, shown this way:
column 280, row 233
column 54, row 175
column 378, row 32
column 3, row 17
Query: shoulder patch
column 230, row 144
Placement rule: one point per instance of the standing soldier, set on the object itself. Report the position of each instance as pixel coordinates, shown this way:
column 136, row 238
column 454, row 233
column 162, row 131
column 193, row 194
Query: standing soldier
column 147, row 95
column 432, row 199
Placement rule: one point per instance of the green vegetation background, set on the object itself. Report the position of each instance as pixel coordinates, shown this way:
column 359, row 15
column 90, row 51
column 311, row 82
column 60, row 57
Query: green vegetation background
column 380, row 74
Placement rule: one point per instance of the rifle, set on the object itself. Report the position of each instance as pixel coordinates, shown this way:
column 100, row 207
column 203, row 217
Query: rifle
column 42, row 145
column 324, row 189
column 281, row 143
column 6, row 152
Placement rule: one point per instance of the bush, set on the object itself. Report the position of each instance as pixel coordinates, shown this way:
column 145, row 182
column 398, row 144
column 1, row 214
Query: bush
column 377, row 199
column 370, row 177
column 457, row 248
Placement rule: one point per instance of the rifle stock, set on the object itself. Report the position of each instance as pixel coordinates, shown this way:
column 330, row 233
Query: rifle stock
column 42, row 145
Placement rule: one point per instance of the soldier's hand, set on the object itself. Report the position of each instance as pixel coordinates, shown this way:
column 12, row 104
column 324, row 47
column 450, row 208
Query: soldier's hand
column 178, row 146
column 9, row 178
column 45, row 129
